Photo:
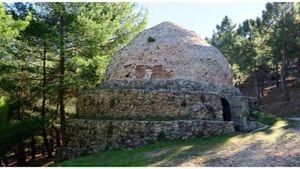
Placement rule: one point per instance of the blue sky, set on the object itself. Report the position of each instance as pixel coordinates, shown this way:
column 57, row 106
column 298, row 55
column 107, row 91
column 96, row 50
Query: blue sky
column 201, row 17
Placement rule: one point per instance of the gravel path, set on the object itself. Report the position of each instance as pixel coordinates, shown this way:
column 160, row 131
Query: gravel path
column 294, row 118
column 277, row 146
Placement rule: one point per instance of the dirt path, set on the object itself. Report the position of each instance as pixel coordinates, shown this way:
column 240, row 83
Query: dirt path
column 277, row 146
column 295, row 118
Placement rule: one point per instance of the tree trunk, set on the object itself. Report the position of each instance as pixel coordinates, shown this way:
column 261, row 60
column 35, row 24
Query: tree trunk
column 44, row 132
column 21, row 155
column 51, row 143
column 56, row 131
column 61, row 80
column 283, row 70
column 46, row 143
column 33, row 148
column 298, row 67
column 262, row 84
column 57, row 137
column 257, row 93
column 277, row 73
column 283, row 83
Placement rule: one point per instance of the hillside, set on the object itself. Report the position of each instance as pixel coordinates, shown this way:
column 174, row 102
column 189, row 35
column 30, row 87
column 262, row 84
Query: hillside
column 273, row 100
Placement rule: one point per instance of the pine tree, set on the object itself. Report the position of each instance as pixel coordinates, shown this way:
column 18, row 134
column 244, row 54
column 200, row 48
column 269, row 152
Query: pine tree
column 64, row 49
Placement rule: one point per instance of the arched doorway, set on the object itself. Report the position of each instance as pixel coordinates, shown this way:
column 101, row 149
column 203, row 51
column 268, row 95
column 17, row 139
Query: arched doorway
column 226, row 110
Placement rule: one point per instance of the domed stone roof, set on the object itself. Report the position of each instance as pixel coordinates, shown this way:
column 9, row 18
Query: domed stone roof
column 168, row 52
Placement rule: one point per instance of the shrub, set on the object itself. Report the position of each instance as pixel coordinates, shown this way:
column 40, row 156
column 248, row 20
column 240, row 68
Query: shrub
column 150, row 39
column 3, row 111
column 254, row 115
column 12, row 133
column 264, row 118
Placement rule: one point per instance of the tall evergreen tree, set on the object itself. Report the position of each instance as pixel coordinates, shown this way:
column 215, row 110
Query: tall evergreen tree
column 258, row 45
column 281, row 20
column 65, row 48
column 85, row 32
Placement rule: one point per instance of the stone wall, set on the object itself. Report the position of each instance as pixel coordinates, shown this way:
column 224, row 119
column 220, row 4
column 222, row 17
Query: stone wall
column 123, row 114
column 142, row 104
column 85, row 136
column 172, row 99
column 171, row 85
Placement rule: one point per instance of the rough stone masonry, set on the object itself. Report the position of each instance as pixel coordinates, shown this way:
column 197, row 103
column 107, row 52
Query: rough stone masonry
column 167, row 83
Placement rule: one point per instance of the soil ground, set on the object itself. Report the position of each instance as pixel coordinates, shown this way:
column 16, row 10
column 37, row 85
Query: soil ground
column 273, row 100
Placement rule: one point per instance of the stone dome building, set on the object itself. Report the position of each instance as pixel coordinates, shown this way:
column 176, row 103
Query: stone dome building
column 173, row 53
column 167, row 83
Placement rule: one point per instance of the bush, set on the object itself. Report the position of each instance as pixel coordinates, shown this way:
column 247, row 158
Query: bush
column 264, row 118
column 3, row 111
column 12, row 134
column 254, row 115
column 151, row 39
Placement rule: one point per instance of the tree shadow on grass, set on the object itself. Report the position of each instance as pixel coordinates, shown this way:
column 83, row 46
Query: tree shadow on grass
column 187, row 149
column 160, row 153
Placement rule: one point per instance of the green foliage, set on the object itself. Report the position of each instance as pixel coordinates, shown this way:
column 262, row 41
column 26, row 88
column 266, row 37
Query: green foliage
column 16, row 132
column 283, row 30
column 105, row 27
column 225, row 39
column 256, row 46
column 93, row 33
column 9, row 28
column 264, row 118
column 267, row 119
column 150, row 39
column 51, row 48
column 12, row 133
column 3, row 111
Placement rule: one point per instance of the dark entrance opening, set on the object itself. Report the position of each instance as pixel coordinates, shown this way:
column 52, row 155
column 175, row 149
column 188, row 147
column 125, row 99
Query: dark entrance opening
column 226, row 110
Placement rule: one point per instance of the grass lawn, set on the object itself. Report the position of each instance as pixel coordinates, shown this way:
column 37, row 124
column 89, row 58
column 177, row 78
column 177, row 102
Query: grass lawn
column 154, row 153
column 163, row 152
